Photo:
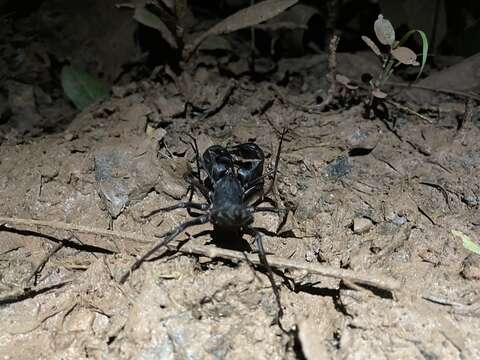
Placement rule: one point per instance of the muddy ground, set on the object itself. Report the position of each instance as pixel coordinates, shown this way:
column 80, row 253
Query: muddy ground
column 362, row 196
column 365, row 195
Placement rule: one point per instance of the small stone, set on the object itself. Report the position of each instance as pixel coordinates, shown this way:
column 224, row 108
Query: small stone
column 361, row 225
column 293, row 190
column 471, row 267
column 340, row 167
column 48, row 173
column 69, row 136
column 204, row 260
column 399, row 220
column 388, row 212
column 119, row 91
column 471, row 200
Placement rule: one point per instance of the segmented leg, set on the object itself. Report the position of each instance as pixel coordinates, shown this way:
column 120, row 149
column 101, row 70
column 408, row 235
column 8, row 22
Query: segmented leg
column 275, row 170
column 194, row 147
column 269, row 209
column 181, row 205
column 194, row 179
column 186, row 205
column 264, row 261
column 170, row 236
column 195, row 184
column 277, row 161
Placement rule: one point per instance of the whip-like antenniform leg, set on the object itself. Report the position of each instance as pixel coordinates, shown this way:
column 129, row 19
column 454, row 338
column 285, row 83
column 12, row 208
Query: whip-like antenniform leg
column 170, row 236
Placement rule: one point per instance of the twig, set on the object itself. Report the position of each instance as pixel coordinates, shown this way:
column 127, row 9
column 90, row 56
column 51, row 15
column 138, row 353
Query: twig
column 400, row 106
column 439, row 188
column 124, row 240
column 376, row 281
column 332, row 73
column 445, row 91
column 220, row 102
column 371, row 280
column 285, row 100
column 332, row 77
column 424, row 213
column 280, row 25
column 408, row 110
column 467, row 115
column 25, row 293
column 472, row 309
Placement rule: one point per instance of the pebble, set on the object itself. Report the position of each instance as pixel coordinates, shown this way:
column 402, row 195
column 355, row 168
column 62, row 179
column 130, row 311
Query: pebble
column 471, row 267
column 361, row 225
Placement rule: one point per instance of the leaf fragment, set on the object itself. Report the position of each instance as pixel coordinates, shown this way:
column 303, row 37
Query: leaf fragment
column 468, row 243
column 148, row 18
column 345, row 81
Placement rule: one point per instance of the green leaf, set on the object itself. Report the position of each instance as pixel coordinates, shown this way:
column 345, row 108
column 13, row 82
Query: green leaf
column 82, row 88
column 468, row 243
column 424, row 47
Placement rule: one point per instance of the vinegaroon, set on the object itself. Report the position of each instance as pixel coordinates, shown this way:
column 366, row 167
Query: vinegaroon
column 234, row 176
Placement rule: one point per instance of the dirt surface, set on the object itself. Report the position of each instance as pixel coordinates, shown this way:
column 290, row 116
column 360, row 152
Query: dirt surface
column 361, row 197
column 365, row 196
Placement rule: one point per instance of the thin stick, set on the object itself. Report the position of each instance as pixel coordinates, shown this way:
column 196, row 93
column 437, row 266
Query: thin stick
column 428, row 88
column 373, row 280
column 128, row 240
column 124, row 238
column 408, row 110
column 21, row 294
column 332, row 73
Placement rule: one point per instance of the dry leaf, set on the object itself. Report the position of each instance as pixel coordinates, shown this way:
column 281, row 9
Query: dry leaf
column 342, row 79
column 216, row 43
column 372, row 45
column 293, row 41
column 345, row 81
column 384, row 31
column 379, row 94
column 147, row 18
column 170, row 4
column 250, row 16
column 404, row 55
